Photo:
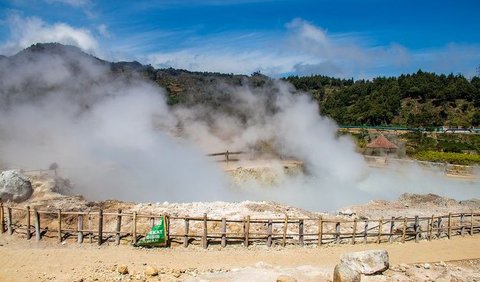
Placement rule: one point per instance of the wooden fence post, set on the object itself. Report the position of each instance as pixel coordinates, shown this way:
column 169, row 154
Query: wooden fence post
column 380, row 226
column 80, row 229
column 365, row 232
column 59, row 225
column 392, row 227
column 134, row 228
column 439, row 226
column 224, row 232
column 38, row 233
column 9, row 221
column 29, row 231
column 430, row 233
column 462, row 226
column 100, row 227
column 354, row 233
column 337, row 233
column 416, row 228
column 90, row 230
column 320, row 231
column 205, row 232
column 185, row 236
column 471, row 225
column 269, row 233
column 2, row 218
column 404, row 230
column 168, row 242
column 449, row 225
column 119, row 227
column 285, row 225
column 246, row 230
column 300, row 232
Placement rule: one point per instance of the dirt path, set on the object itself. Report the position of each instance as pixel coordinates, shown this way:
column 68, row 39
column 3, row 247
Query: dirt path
column 47, row 261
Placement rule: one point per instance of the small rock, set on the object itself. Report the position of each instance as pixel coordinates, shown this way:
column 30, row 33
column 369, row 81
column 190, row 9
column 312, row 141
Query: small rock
column 427, row 266
column 123, row 269
column 151, row 271
column 442, row 264
column 286, row 278
column 343, row 273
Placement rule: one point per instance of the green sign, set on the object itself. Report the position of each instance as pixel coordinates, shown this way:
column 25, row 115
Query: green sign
column 157, row 235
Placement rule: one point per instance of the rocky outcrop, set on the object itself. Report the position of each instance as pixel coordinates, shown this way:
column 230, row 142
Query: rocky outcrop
column 14, row 186
column 367, row 262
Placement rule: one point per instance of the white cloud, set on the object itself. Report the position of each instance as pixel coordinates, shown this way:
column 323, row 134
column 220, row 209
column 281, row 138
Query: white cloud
column 226, row 61
column 27, row 31
column 103, row 31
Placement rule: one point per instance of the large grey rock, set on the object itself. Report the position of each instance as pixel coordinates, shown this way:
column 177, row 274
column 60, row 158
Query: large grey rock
column 14, row 186
column 343, row 273
column 367, row 262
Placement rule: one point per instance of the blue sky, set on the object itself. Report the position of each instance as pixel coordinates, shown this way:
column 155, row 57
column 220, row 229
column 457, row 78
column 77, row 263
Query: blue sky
column 345, row 38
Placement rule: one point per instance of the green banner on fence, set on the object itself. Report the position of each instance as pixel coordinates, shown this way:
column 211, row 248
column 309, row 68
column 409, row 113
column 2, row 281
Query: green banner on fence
column 157, row 235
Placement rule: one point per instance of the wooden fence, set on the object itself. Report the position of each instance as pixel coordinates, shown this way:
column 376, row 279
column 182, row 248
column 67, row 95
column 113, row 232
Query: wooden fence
column 118, row 227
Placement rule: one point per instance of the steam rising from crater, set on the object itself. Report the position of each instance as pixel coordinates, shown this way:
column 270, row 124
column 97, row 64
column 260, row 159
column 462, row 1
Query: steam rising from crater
column 115, row 137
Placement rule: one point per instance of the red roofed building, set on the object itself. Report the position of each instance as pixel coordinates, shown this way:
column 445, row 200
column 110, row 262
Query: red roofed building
column 382, row 145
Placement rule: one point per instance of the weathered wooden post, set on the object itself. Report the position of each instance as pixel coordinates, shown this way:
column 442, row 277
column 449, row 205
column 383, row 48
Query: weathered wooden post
column 9, row 221
column 320, row 231
column 337, row 233
column 205, row 232
column 119, row 227
column 246, row 230
column 2, row 218
column 449, row 225
column 379, row 235
column 59, row 225
column 430, row 233
column 471, row 224
column 439, row 227
column 285, row 226
column 167, row 225
column 300, row 232
column 354, row 233
column 269, row 233
column 80, row 228
column 365, row 232
column 404, row 230
column 392, row 227
column 224, row 232
column 29, row 231
column 134, row 228
column 462, row 228
column 416, row 227
column 38, row 234
column 100, row 227
column 185, row 236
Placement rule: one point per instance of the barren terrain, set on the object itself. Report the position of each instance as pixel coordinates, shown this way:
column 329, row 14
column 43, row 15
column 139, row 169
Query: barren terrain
column 47, row 261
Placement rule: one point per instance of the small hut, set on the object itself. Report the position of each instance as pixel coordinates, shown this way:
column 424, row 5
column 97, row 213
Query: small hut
column 381, row 146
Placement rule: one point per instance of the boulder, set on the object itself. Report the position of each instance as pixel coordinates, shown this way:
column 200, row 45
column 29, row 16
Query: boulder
column 343, row 273
column 151, row 271
column 286, row 278
column 123, row 269
column 15, row 186
column 367, row 262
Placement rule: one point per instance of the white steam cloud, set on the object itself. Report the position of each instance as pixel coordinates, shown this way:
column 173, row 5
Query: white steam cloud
column 115, row 137
column 27, row 31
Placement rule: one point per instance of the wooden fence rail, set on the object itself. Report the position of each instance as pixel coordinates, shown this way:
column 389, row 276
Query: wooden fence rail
column 128, row 227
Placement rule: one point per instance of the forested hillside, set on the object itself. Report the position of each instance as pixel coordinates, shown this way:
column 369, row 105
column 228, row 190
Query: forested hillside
column 421, row 99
